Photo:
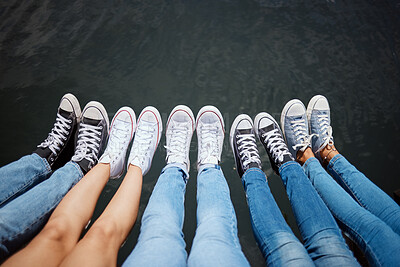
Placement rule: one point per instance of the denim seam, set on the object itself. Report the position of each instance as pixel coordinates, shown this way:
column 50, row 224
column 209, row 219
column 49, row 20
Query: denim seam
column 350, row 192
column 34, row 222
column 58, row 200
column 27, row 184
column 367, row 246
column 285, row 165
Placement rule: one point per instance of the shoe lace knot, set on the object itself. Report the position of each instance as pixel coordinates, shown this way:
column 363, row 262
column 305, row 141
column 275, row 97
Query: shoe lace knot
column 247, row 148
column 301, row 134
column 58, row 135
column 87, row 147
column 326, row 131
column 276, row 145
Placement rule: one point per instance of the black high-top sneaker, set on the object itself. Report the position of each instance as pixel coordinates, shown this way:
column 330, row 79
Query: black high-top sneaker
column 92, row 135
column 243, row 143
column 58, row 147
column 270, row 135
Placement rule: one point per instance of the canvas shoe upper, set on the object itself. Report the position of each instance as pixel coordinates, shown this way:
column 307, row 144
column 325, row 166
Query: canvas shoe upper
column 58, row 147
column 243, row 143
column 318, row 114
column 295, row 127
column 121, row 132
column 210, row 135
column 92, row 135
column 270, row 135
column 147, row 137
column 180, row 128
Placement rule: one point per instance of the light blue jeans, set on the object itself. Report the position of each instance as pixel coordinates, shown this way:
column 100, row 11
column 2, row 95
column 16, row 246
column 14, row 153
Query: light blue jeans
column 28, row 196
column 161, row 240
column 372, row 222
column 322, row 237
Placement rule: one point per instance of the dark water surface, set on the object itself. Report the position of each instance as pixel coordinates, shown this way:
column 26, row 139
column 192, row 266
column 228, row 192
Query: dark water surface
column 241, row 56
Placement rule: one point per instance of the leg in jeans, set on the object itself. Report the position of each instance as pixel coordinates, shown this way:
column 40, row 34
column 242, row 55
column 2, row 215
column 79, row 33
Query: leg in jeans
column 276, row 240
column 18, row 176
column 216, row 242
column 376, row 239
column 161, row 239
column 366, row 193
column 322, row 237
column 23, row 217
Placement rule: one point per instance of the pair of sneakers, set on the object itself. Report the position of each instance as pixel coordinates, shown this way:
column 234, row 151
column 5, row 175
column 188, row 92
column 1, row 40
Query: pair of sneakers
column 299, row 127
column 147, row 131
column 76, row 135
column 304, row 128
column 209, row 126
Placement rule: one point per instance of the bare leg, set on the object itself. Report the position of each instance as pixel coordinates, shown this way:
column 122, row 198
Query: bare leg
column 101, row 244
column 62, row 231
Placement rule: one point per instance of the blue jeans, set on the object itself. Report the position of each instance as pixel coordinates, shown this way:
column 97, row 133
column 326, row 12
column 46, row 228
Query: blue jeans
column 28, row 198
column 161, row 240
column 322, row 237
column 379, row 242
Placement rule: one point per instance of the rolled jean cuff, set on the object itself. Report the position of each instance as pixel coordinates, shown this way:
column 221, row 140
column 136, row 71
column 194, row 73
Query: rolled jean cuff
column 333, row 161
column 44, row 161
column 77, row 167
column 206, row 166
column 180, row 166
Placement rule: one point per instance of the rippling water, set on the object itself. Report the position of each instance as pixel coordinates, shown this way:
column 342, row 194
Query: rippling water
column 241, row 56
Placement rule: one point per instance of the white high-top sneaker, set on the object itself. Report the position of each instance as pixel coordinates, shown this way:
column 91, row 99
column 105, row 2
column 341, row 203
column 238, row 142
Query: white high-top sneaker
column 121, row 133
column 148, row 135
column 210, row 136
column 180, row 128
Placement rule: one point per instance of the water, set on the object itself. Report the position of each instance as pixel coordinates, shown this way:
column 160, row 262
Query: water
column 241, row 56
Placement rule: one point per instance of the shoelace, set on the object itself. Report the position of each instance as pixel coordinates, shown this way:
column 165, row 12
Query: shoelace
column 276, row 145
column 208, row 142
column 142, row 144
column 118, row 139
column 58, row 134
column 327, row 131
column 248, row 149
column 178, row 138
column 88, row 143
column 300, row 131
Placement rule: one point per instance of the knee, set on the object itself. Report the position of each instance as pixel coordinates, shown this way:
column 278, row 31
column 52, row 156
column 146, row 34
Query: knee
column 103, row 231
column 56, row 229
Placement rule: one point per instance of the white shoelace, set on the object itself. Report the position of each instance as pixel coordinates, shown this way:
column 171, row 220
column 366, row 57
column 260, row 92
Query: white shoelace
column 88, row 143
column 58, row 134
column 142, row 144
column 209, row 145
column 117, row 140
column 248, row 149
column 178, row 135
column 300, row 131
column 276, row 145
column 327, row 131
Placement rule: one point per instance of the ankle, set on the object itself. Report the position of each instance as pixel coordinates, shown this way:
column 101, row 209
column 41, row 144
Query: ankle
column 327, row 153
column 303, row 156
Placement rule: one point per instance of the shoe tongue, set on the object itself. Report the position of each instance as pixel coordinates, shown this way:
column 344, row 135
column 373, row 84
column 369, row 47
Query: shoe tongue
column 244, row 131
column 91, row 121
column 64, row 113
column 269, row 128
